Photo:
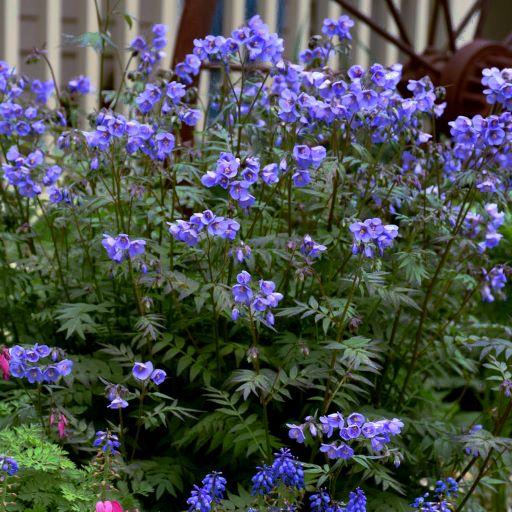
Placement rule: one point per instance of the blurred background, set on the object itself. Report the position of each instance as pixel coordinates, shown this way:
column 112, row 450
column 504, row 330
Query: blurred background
column 53, row 24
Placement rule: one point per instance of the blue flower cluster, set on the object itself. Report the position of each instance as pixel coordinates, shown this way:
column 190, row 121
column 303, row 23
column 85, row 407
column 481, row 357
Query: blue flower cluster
column 121, row 247
column 285, row 470
column 494, row 281
column 107, row 442
column 252, row 43
column 17, row 119
column 441, row 500
column 24, row 172
column 330, row 28
column 476, row 224
column 157, row 145
column 206, row 222
column 368, row 99
column 145, row 371
column 498, row 83
column 7, row 465
column 211, row 492
column 310, row 249
column 353, row 428
column 116, row 393
column 371, row 234
column 340, row 27
column 150, row 53
column 481, row 143
column 32, row 363
column 237, row 177
column 257, row 304
column 169, row 101
column 306, row 158
column 79, row 85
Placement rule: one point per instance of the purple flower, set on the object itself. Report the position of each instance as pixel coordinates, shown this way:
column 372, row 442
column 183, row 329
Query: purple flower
column 296, row 432
column 79, row 85
column 158, row 376
column 142, row 371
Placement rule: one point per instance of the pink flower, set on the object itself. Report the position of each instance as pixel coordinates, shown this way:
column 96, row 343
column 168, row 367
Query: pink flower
column 108, row 506
column 4, row 363
column 61, row 424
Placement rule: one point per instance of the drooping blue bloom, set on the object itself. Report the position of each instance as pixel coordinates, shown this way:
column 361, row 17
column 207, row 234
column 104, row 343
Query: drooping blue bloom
column 158, row 376
column 142, row 371
column 80, row 85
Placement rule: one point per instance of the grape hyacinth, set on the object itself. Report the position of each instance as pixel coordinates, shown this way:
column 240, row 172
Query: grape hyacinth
column 255, row 303
column 206, row 222
column 8, row 465
column 107, row 442
column 285, row 470
column 356, row 501
column 211, row 492
column 441, row 499
column 371, row 234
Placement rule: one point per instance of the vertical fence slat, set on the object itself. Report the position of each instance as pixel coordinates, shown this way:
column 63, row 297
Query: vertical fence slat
column 125, row 34
column 51, row 19
column 297, row 26
column 89, row 60
column 170, row 12
column 269, row 10
column 10, row 31
column 361, row 34
column 459, row 10
column 416, row 15
column 233, row 15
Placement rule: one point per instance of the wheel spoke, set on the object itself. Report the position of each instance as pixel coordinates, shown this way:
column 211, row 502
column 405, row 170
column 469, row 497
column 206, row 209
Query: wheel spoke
column 449, row 26
column 398, row 21
column 467, row 18
column 386, row 35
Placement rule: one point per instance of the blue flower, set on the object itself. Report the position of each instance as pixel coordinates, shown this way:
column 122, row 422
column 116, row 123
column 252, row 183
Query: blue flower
column 108, row 442
column 287, row 469
column 142, row 371
column 263, row 481
column 8, row 465
column 158, row 376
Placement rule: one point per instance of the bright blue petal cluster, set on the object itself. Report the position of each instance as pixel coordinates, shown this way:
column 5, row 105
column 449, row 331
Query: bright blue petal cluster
column 498, row 83
column 254, row 303
column 33, row 365
column 285, row 470
column 372, row 234
column 493, row 284
column 306, row 158
column 253, row 43
column 107, row 442
column 121, row 247
column 79, row 85
column 441, row 499
column 203, row 498
column 150, row 53
column 206, row 222
column 28, row 173
column 145, row 371
column 355, row 427
column 7, row 465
